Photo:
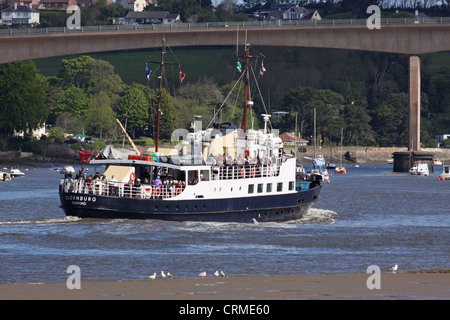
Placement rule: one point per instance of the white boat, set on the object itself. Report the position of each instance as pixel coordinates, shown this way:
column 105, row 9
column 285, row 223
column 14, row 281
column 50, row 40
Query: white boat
column 420, row 169
column 16, row 173
column 5, row 176
column 341, row 169
column 437, row 162
column 445, row 175
column 68, row 170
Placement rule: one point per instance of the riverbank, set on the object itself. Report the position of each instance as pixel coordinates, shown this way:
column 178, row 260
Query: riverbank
column 393, row 286
column 349, row 155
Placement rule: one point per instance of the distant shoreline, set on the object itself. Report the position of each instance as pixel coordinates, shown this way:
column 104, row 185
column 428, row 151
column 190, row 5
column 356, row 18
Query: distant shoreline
column 434, row 285
column 351, row 155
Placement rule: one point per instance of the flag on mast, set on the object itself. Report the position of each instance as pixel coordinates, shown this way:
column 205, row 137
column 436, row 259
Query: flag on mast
column 147, row 71
column 239, row 66
column 182, row 75
column 261, row 72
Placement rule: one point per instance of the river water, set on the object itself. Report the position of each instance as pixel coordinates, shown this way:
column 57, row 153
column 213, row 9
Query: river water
column 369, row 216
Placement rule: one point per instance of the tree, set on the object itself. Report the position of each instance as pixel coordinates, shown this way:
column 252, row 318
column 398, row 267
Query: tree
column 357, row 127
column 101, row 117
column 76, row 72
column 75, row 101
column 390, row 120
column 22, row 97
column 328, row 105
column 133, row 108
column 104, row 79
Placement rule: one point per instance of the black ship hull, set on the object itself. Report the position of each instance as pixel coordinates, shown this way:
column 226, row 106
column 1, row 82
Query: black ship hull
column 246, row 209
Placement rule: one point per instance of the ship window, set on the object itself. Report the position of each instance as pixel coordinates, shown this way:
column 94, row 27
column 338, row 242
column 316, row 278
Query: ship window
column 260, row 187
column 251, row 188
column 269, row 187
column 280, row 186
column 291, row 185
column 204, row 175
column 192, row 177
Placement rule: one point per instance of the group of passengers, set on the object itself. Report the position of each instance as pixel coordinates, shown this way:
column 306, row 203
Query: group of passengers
column 101, row 184
column 158, row 188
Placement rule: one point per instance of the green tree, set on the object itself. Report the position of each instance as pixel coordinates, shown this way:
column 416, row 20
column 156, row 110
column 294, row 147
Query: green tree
column 76, row 72
column 328, row 106
column 104, row 79
column 390, row 120
column 133, row 108
column 357, row 128
column 22, row 97
column 101, row 118
column 75, row 101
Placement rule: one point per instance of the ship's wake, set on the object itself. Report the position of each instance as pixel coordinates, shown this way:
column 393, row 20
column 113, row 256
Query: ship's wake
column 317, row 216
column 39, row 221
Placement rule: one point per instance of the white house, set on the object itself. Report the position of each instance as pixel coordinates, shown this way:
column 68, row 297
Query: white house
column 441, row 137
column 136, row 5
column 292, row 12
column 143, row 17
column 18, row 15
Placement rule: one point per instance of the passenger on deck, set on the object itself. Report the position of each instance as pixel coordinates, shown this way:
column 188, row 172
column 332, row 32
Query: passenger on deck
column 157, row 182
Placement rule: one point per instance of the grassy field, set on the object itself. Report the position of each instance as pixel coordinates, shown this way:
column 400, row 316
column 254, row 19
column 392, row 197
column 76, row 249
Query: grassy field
column 196, row 62
column 130, row 65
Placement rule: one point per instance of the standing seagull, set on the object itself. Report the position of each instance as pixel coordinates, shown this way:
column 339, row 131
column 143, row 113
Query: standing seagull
column 169, row 275
column 216, row 274
column 202, row 274
column 153, row 276
column 222, row 273
column 163, row 275
column 394, row 268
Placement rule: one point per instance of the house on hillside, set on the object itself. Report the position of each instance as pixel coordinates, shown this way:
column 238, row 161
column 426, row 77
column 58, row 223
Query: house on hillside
column 20, row 15
column 290, row 139
column 87, row 3
column 136, row 5
column 34, row 3
column 291, row 12
column 144, row 17
column 56, row 4
column 441, row 137
column 64, row 4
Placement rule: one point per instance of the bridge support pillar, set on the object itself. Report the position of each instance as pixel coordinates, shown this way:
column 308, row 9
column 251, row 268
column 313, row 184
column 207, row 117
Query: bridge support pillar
column 403, row 161
column 414, row 104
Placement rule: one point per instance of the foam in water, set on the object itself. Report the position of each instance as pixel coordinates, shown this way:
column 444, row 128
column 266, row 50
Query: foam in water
column 41, row 221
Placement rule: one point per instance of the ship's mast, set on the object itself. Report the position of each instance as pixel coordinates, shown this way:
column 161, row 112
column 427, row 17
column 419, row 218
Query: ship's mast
column 161, row 63
column 247, row 102
column 247, row 78
column 160, row 92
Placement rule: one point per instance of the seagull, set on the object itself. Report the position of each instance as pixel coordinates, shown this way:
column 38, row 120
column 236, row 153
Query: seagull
column 163, row 275
column 202, row 274
column 169, row 275
column 222, row 273
column 153, row 276
column 216, row 274
column 394, row 268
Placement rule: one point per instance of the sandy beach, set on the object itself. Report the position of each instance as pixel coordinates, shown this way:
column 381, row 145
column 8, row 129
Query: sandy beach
column 399, row 286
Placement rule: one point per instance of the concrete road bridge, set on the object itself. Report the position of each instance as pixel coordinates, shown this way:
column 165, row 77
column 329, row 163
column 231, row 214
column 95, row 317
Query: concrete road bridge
column 403, row 36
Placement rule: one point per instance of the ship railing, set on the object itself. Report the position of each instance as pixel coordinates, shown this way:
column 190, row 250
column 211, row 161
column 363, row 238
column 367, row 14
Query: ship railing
column 120, row 189
column 247, row 171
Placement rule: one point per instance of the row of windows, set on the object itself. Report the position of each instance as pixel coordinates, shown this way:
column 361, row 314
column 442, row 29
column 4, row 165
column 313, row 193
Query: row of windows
column 260, row 187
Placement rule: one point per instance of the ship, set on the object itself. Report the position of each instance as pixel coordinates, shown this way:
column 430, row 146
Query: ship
column 220, row 173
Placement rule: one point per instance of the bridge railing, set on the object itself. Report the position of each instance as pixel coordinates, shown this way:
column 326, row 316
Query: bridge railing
column 220, row 25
